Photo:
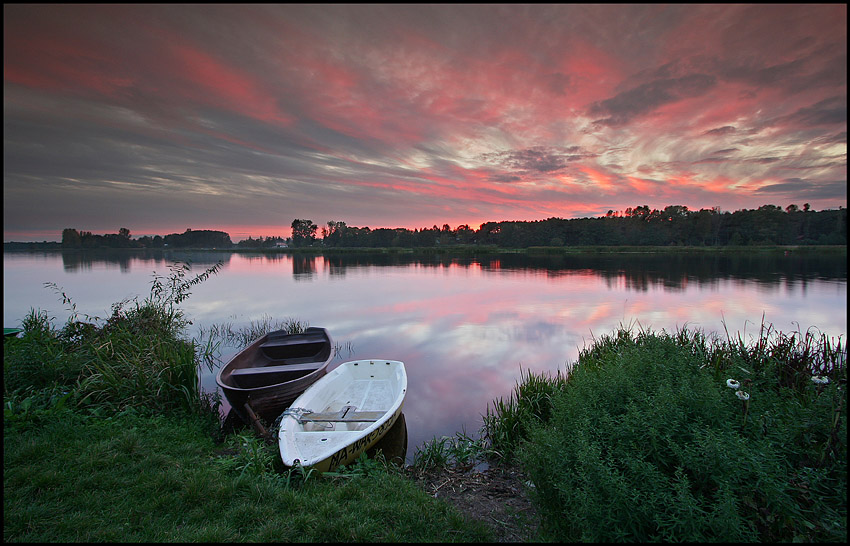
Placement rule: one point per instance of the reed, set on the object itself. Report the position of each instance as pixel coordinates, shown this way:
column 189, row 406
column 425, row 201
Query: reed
column 510, row 420
column 461, row 451
column 210, row 341
column 226, row 334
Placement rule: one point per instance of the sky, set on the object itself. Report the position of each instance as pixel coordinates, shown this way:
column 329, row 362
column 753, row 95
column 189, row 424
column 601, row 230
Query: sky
column 242, row 118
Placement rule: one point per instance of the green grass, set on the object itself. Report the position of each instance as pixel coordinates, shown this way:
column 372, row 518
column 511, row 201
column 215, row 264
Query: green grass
column 146, row 478
column 510, row 421
column 461, row 451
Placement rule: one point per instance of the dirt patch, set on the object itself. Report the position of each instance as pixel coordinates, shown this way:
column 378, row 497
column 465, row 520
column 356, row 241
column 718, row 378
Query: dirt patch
column 496, row 496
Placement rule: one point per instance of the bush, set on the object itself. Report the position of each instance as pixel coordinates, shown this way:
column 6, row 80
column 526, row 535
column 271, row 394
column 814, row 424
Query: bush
column 646, row 444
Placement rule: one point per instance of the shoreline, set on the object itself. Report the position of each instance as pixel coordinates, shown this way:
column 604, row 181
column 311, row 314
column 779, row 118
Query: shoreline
column 463, row 250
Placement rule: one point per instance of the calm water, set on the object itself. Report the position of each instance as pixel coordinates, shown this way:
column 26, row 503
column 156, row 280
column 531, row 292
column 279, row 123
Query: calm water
column 464, row 327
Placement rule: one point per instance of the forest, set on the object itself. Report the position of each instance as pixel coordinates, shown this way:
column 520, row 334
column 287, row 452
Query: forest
column 674, row 225
column 641, row 226
column 204, row 238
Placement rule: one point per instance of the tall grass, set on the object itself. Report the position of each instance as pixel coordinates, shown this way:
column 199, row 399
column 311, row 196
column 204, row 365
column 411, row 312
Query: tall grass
column 136, row 358
column 510, row 421
column 225, row 333
column 213, row 338
column 644, row 439
column 461, row 451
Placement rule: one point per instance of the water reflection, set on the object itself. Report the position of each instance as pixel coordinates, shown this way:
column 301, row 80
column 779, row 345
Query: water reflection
column 638, row 270
column 124, row 260
column 303, row 267
column 463, row 326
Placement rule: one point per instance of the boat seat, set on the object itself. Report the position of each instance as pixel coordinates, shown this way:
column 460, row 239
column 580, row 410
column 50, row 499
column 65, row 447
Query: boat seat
column 287, row 349
column 299, row 340
column 345, row 415
column 264, row 370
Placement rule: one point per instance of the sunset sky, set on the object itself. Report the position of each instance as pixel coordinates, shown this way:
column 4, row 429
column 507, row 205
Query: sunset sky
column 160, row 118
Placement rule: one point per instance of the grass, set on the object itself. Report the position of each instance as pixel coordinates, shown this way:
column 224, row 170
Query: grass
column 146, row 478
column 461, row 451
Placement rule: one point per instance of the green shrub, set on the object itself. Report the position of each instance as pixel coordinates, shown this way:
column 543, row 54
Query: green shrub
column 645, row 443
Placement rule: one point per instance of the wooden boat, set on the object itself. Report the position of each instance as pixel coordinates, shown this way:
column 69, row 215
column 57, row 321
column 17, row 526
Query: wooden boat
column 343, row 414
column 265, row 377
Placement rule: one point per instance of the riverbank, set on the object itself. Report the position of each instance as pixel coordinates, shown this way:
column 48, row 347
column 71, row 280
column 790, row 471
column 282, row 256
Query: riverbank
column 684, row 424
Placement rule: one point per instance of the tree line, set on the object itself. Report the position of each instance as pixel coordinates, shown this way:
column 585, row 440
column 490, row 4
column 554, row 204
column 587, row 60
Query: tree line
column 204, row 238
column 674, row 225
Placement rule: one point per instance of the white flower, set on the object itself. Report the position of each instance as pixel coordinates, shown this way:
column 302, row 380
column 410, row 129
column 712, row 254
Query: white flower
column 820, row 379
column 742, row 395
column 732, row 384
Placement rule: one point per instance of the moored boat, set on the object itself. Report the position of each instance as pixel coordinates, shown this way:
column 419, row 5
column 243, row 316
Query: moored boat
column 342, row 414
column 269, row 374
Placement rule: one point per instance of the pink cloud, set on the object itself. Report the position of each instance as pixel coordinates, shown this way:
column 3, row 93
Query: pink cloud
column 214, row 82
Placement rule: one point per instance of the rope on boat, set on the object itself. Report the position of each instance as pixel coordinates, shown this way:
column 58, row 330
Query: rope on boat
column 298, row 415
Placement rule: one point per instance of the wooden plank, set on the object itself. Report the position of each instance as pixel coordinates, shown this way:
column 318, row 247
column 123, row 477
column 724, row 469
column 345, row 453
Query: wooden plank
column 344, row 417
column 255, row 421
column 262, row 370
column 300, row 340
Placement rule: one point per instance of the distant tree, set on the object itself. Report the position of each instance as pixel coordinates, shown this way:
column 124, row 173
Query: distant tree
column 203, row 238
column 465, row 235
column 71, row 238
column 303, row 232
column 333, row 234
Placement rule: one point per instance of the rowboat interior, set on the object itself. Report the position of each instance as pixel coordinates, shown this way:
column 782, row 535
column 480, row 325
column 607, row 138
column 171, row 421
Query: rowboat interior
column 281, row 358
column 348, row 408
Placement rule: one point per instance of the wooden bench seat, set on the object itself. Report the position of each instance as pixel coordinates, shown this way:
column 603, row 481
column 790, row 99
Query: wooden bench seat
column 265, row 370
column 300, row 340
column 345, row 415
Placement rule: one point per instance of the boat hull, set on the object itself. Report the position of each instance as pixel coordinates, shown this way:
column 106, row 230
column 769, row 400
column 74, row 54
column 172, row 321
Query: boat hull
column 274, row 370
column 343, row 414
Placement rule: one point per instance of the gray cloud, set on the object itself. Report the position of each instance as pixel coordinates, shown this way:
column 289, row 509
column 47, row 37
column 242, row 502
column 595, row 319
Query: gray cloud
column 645, row 98
column 802, row 189
column 721, row 131
column 540, row 159
column 829, row 111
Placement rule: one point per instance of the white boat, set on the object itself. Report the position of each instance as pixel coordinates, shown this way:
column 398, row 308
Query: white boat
column 342, row 414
